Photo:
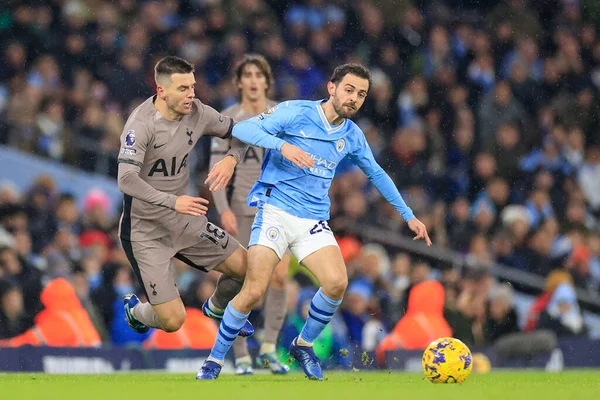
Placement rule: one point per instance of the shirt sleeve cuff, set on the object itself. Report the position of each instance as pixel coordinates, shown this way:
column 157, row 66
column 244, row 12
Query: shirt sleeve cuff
column 171, row 199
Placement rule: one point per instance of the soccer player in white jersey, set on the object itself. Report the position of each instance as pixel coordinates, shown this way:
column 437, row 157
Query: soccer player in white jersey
column 306, row 140
column 253, row 78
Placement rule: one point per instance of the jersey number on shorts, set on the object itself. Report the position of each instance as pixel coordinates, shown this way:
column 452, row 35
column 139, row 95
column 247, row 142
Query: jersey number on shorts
column 213, row 233
column 320, row 227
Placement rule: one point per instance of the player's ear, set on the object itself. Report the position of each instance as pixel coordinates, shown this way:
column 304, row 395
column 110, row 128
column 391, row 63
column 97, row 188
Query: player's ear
column 160, row 91
column 331, row 88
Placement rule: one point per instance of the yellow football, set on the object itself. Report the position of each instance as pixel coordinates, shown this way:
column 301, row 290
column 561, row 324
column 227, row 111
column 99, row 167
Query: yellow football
column 447, row 360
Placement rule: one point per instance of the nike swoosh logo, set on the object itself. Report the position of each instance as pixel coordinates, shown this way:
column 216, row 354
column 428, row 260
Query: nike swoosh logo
column 304, row 134
column 224, row 246
column 156, row 147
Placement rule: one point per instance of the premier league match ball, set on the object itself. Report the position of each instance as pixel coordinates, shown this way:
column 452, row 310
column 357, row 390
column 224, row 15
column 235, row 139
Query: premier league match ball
column 447, row 360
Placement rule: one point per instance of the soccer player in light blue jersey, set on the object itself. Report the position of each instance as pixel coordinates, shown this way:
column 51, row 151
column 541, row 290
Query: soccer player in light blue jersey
column 306, row 140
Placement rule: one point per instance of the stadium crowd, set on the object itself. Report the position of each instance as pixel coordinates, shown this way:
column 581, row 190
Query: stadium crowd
column 486, row 116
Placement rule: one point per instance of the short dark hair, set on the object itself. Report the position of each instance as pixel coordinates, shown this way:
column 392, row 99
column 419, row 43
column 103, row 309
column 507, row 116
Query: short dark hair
column 172, row 65
column 351, row 68
column 64, row 197
column 261, row 63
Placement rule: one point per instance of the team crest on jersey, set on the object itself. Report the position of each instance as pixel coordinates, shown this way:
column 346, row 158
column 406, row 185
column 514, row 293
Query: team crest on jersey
column 273, row 233
column 130, row 138
column 340, row 145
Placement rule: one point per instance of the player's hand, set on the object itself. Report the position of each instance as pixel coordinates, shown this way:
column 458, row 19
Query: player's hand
column 419, row 228
column 229, row 222
column 221, row 173
column 297, row 156
column 191, row 205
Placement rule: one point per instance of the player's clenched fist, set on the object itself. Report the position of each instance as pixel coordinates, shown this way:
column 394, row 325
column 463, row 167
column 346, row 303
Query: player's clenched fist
column 297, row 156
column 191, row 205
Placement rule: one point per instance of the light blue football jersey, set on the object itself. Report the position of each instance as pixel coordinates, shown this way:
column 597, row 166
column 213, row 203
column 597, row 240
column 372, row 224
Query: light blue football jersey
column 305, row 192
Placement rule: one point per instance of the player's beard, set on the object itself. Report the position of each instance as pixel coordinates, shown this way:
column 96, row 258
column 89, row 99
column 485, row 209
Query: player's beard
column 176, row 106
column 341, row 111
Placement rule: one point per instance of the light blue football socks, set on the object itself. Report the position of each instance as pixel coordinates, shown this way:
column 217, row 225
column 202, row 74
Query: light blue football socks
column 229, row 329
column 320, row 312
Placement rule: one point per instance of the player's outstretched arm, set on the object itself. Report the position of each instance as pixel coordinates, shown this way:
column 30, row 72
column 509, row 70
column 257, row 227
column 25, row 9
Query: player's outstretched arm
column 363, row 157
column 296, row 155
column 221, row 126
column 386, row 187
column 219, row 150
column 221, row 172
column 255, row 134
column 251, row 132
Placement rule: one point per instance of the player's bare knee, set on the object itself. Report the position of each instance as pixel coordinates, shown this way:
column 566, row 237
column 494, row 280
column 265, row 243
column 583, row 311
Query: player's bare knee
column 335, row 288
column 254, row 294
column 174, row 322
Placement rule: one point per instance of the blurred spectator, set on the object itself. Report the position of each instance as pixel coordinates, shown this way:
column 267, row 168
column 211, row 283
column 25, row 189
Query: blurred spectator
column 498, row 107
column 81, row 286
column 364, row 331
column 459, row 322
column 67, row 214
column 502, row 319
column 26, row 276
column 423, row 322
column 96, row 210
column 13, row 320
column 562, row 315
column 589, row 178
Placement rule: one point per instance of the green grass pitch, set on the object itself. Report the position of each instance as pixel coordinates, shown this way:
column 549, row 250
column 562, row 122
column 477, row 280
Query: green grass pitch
column 337, row 386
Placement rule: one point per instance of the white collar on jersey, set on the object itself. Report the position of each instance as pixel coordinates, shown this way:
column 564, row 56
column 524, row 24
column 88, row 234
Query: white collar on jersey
column 330, row 129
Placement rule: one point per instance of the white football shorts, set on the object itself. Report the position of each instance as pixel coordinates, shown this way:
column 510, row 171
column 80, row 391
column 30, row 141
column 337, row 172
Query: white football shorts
column 279, row 230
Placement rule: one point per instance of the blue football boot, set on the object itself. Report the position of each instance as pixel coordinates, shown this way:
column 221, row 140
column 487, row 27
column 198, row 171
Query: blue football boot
column 130, row 300
column 306, row 356
column 246, row 331
column 210, row 371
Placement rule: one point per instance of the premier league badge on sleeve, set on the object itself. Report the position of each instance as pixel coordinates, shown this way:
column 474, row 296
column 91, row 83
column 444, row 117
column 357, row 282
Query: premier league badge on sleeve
column 130, row 138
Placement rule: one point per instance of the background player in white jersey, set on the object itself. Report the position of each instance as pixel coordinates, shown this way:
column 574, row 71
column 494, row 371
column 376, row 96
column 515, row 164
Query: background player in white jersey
column 306, row 142
column 253, row 78
column 160, row 222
